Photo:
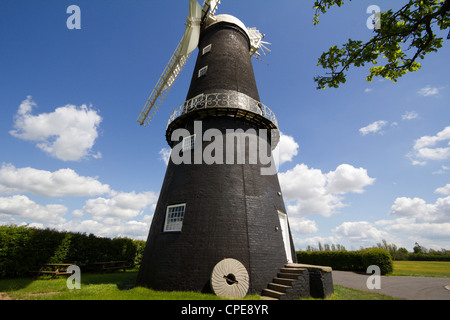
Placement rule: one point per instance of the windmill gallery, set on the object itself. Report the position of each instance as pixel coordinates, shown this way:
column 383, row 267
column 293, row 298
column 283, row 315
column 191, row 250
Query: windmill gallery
column 220, row 224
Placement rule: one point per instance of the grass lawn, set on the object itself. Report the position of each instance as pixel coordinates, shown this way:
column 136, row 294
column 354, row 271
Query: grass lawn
column 344, row 293
column 109, row 286
column 438, row 269
column 118, row 286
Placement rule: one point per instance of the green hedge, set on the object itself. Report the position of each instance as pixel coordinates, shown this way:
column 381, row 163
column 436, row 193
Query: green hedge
column 23, row 249
column 349, row 260
column 428, row 257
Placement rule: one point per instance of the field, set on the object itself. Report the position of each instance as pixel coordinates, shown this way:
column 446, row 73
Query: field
column 439, row 269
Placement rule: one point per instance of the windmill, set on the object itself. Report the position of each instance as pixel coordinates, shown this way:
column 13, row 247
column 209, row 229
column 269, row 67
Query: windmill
column 218, row 226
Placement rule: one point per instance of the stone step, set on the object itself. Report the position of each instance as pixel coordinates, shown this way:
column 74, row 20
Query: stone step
column 273, row 294
column 293, row 270
column 308, row 266
column 278, row 287
column 283, row 281
column 283, row 275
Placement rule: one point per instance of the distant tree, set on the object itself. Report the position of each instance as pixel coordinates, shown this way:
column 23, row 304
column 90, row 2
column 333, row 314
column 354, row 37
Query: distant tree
column 402, row 38
column 320, row 247
column 402, row 254
column 392, row 248
column 418, row 249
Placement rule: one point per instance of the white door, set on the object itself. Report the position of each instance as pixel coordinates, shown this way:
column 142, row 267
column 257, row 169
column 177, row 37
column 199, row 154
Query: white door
column 285, row 235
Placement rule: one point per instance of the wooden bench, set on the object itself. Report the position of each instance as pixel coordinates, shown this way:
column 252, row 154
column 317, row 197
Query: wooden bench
column 56, row 269
column 110, row 265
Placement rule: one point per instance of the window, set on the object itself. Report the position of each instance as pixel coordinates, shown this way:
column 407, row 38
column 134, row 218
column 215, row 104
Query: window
column 174, row 218
column 202, row 71
column 189, row 143
column 207, row 49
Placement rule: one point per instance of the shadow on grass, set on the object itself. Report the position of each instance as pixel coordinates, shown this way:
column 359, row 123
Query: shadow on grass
column 123, row 281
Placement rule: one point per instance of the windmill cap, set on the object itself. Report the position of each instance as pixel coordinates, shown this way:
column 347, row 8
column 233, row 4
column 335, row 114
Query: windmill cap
column 227, row 18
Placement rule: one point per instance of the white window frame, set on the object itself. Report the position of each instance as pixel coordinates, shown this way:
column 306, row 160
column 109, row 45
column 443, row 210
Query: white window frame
column 207, row 49
column 174, row 223
column 202, row 72
column 189, row 143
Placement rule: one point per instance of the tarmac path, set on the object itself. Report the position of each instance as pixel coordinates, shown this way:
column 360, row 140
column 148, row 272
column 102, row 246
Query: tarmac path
column 410, row 288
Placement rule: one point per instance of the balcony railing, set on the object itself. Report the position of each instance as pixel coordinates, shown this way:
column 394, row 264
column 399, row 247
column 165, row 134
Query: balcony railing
column 227, row 100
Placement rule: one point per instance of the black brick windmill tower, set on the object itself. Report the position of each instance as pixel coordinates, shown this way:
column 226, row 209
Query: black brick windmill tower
column 220, row 220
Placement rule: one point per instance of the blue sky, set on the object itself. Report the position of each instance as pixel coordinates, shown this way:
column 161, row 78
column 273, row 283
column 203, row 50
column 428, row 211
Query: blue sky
column 358, row 164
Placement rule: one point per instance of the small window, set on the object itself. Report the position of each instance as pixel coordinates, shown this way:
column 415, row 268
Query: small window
column 207, row 49
column 174, row 218
column 189, row 143
column 202, row 71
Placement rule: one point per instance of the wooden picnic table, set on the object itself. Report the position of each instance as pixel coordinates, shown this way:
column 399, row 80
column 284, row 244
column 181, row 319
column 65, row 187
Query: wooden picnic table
column 110, row 265
column 56, row 269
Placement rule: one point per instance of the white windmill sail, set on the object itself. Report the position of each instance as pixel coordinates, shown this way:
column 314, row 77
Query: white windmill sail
column 256, row 42
column 209, row 8
column 176, row 63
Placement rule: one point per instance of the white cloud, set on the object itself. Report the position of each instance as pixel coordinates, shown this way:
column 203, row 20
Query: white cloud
column 409, row 115
column 374, row 127
column 360, row 231
column 425, row 148
column 416, row 220
column 311, row 191
column 347, row 178
column 21, row 207
column 422, row 230
column 122, row 215
column 444, row 190
column 302, row 226
column 443, row 170
column 68, row 133
column 433, row 153
column 367, row 90
column 428, row 91
column 117, row 214
column 164, row 155
column 64, row 182
column 429, row 141
column 121, row 205
column 134, row 229
column 303, row 242
column 422, row 212
column 286, row 150
column 410, row 207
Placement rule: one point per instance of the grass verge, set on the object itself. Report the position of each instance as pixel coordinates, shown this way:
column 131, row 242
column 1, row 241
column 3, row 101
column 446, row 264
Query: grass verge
column 344, row 293
column 119, row 286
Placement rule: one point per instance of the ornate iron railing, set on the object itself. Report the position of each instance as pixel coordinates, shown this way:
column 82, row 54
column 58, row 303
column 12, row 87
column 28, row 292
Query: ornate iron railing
column 232, row 100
